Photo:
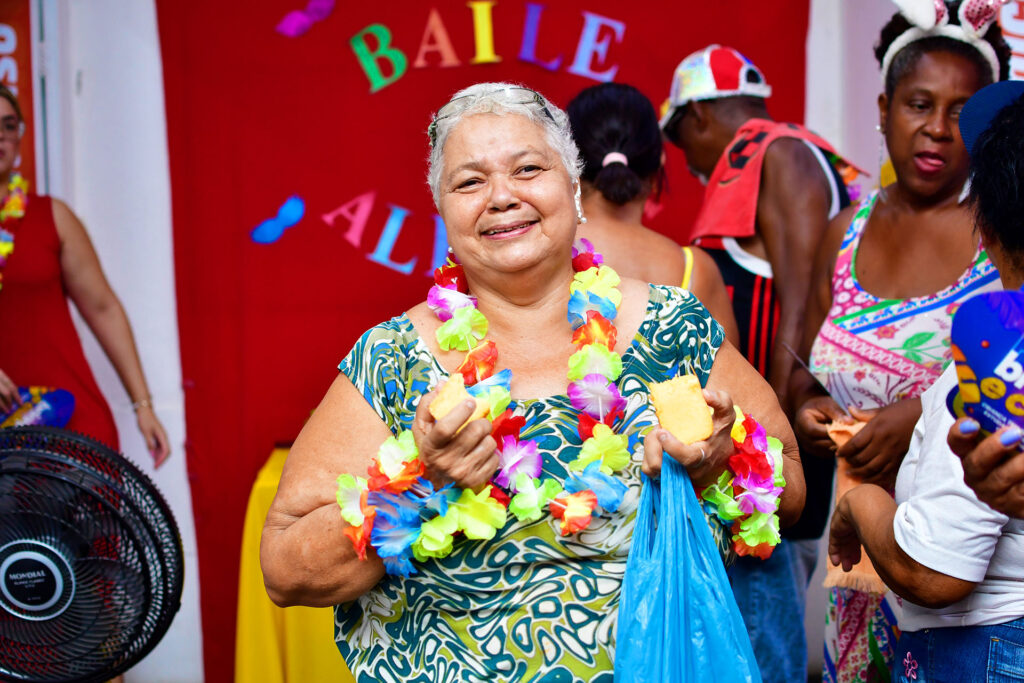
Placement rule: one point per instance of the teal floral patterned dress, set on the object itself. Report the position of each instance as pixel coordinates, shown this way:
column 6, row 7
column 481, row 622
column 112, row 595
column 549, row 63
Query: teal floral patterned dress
column 530, row 604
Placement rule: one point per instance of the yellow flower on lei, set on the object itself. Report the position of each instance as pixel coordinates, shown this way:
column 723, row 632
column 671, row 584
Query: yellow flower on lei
column 480, row 516
column 463, row 330
column 738, row 432
column 601, row 280
column 349, row 496
column 395, row 452
column 595, row 359
column 435, row 539
column 606, row 447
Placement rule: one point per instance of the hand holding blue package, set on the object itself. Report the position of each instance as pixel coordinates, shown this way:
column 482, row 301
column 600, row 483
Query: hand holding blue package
column 678, row 619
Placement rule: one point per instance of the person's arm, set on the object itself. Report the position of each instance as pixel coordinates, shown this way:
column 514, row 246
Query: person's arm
column 938, row 543
column 8, row 392
column 792, row 217
column 707, row 285
column 811, row 407
column 305, row 556
column 88, row 288
column 734, row 381
column 864, row 516
column 876, row 451
column 306, row 559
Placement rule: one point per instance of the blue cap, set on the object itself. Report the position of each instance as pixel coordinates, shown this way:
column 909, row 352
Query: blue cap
column 983, row 107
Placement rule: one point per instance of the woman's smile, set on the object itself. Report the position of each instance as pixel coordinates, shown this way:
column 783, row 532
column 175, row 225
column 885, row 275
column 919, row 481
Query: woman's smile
column 508, row 230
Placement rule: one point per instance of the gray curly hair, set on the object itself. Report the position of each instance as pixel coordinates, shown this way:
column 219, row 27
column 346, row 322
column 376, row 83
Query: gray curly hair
column 500, row 99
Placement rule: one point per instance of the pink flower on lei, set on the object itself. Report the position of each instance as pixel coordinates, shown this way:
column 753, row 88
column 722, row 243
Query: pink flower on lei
column 444, row 300
column 517, row 457
column 595, row 396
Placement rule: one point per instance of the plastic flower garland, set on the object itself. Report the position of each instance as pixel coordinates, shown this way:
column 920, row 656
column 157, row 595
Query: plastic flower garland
column 397, row 510
column 11, row 211
column 747, row 493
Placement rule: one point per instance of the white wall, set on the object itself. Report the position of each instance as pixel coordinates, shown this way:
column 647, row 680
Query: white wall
column 842, row 76
column 108, row 160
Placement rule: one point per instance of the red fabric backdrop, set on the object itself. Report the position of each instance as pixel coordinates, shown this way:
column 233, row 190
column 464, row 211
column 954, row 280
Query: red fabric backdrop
column 255, row 117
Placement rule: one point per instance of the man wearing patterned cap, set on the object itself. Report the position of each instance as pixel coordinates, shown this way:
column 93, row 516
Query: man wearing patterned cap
column 771, row 190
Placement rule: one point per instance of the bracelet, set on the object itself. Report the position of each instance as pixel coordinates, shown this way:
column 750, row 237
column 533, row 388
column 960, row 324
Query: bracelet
column 141, row 403
column 746, row 495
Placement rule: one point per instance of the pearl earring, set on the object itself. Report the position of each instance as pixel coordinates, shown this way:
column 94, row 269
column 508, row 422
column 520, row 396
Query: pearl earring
column 580, row 218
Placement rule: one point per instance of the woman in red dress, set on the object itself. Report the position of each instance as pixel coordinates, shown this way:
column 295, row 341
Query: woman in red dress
column 45, row 258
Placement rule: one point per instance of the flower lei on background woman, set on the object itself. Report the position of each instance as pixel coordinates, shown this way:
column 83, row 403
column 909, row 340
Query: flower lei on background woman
column 398, row 511
column 11, row 212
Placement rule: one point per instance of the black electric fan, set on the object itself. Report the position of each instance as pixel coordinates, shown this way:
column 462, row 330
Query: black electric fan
column 91, row 563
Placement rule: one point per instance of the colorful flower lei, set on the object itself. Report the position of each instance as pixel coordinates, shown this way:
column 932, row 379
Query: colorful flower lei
column 397, row 509
column 746, row 495
column 11, row 211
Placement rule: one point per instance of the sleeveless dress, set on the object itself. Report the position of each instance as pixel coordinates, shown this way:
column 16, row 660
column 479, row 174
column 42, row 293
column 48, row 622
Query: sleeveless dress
column 530, row 604
column 870, row 353
column 38, row 341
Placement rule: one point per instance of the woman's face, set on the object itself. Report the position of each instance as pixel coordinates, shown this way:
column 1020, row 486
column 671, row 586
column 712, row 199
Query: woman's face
column 10, row 136
column 921, row 123
column 506, row 197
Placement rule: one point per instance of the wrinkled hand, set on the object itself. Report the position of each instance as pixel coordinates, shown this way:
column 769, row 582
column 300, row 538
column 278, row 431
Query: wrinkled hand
column 153, row 433
column 993, row 466
column 468, row 458
column 812, row 421
column 9, row 397
column 876, row 452
column 703, row 460
column 843, row 542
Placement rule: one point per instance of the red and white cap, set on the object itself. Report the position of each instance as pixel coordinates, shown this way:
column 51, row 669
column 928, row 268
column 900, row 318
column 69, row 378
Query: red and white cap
column 711, row 73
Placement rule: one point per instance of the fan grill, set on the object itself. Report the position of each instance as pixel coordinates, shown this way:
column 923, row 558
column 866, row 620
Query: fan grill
column 71, row 498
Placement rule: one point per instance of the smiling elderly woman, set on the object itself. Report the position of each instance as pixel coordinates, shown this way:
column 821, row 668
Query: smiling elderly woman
column 534, row 596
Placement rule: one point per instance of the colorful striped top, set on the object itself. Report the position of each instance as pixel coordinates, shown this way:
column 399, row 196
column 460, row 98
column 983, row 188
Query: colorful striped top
column 872, row 352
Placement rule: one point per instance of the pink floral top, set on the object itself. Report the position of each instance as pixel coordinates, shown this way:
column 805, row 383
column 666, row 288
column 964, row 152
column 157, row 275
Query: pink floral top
column 872, row 352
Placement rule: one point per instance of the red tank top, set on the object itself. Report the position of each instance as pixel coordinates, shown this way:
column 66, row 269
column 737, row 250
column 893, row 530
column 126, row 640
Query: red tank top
column 730, row 198
column 38, row 341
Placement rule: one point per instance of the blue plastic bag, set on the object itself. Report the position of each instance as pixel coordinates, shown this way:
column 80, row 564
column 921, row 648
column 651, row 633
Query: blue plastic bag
column 678, row 619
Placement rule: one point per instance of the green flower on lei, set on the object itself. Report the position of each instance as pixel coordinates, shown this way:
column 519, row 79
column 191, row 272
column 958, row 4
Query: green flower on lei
column 463, row 330
column 606, row 447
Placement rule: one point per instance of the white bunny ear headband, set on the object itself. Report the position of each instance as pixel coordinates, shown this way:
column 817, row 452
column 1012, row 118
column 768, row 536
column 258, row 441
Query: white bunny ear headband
column 930, row 18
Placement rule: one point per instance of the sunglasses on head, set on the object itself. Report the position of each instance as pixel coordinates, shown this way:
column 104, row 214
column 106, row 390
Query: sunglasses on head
column 522, row 95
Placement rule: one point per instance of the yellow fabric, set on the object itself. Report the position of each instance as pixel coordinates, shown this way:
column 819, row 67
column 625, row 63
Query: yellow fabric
column 887, row 175
column 688, row 268
column 276, row 645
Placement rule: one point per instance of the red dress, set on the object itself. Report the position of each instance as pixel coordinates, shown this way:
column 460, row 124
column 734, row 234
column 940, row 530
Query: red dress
column 38, row 342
